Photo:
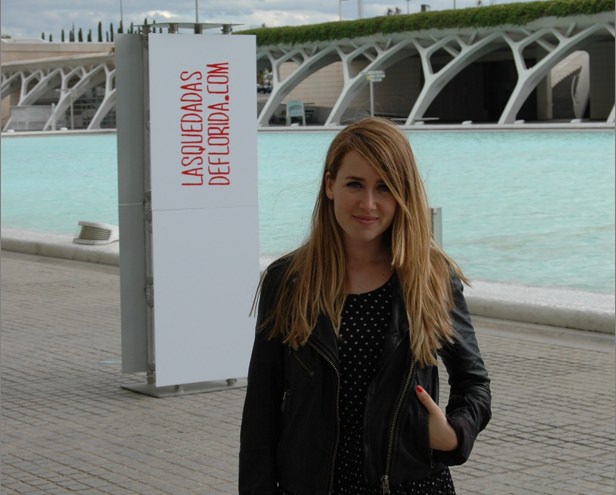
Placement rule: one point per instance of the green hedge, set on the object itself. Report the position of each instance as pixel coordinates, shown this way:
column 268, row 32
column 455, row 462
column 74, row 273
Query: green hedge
column 495, row 15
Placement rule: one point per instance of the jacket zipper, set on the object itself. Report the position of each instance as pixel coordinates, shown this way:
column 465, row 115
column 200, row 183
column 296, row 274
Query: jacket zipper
column 335, row 451
column 390, row 445
column 284, row 401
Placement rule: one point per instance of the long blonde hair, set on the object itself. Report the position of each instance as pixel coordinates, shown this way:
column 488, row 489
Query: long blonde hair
column 314, row 283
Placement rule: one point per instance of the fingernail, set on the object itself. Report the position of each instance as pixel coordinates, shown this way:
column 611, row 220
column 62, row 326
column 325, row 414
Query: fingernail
column 419, row 389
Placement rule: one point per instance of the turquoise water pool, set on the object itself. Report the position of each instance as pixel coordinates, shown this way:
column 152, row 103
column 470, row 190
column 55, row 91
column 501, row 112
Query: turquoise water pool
column 533, row 207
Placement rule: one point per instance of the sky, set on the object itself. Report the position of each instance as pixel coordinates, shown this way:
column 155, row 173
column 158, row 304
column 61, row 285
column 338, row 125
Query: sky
column 29, row 18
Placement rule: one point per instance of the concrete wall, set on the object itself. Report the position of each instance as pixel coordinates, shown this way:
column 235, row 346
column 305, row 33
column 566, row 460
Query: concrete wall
column 320, row 89
column 16, row 51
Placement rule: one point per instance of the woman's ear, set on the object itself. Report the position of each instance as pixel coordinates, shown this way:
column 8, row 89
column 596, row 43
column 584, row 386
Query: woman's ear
column 329, row 184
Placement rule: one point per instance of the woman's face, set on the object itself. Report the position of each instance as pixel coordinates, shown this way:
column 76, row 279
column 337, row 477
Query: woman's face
column 363, row 205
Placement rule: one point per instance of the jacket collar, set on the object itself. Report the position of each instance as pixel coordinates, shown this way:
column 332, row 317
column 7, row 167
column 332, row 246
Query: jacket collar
column 324, row 337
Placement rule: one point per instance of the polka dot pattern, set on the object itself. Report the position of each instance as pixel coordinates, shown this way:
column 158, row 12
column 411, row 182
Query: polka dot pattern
column 365, row 320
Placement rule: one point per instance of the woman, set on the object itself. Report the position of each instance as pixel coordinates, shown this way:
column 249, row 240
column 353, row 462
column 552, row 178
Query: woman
column 343, row 376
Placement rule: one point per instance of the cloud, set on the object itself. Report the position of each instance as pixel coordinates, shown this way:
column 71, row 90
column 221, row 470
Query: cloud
column 164, row 14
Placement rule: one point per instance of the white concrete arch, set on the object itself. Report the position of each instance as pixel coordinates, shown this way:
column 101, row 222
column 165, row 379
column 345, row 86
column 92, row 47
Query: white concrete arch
column 46, row 83
column 529, row 77
column 27, row 80
column 10, row 84
column 470, row 50
column 384, row 58
column 308, row 63
column 109, row 100
column 89, row 77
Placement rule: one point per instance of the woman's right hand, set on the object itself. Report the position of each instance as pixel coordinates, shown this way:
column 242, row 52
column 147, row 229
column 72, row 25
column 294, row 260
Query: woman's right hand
column 441, row 435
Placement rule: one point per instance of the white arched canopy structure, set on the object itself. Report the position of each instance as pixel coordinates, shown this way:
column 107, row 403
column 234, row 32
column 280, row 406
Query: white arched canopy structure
column 546, row 42
column 422, row 65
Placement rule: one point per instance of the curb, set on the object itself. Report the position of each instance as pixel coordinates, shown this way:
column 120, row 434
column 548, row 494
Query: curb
column 58, row 246
column 558, row 307
column 552, row 306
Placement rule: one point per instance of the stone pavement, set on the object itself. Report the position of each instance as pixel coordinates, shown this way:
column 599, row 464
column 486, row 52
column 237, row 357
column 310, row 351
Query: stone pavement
column 69, row 427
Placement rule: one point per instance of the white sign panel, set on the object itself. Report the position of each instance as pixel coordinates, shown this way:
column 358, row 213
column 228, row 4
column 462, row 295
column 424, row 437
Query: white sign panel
column 205, row 250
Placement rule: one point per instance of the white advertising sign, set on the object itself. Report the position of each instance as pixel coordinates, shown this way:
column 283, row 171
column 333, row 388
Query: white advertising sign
column 203, row 167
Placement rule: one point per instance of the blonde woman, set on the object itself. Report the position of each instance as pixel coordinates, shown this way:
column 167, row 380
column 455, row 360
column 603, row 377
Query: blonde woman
column 343, row 379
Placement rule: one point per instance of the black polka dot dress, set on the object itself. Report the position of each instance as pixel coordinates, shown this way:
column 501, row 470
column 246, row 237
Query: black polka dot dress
column 365, row 320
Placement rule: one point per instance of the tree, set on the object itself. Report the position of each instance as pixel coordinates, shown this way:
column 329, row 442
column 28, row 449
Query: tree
column 50, row 38
column 43, row 36
column 111, row 32
column 121, row 28
column 80, row 36
column 71, row 34
column 100, row 32
column 62, row 36
column 89, row 36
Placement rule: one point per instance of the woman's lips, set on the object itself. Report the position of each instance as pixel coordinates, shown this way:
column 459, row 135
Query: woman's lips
column 365, row 220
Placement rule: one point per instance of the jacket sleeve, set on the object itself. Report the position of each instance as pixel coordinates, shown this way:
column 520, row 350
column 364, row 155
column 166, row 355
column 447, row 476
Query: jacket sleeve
column 469, row 408
column 261, row 415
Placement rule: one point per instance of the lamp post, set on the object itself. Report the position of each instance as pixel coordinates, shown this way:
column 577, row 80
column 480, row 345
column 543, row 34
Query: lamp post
column 360, row 9
column 374, row 76
column 121, row 16
column 340, row 9
column 196, row 11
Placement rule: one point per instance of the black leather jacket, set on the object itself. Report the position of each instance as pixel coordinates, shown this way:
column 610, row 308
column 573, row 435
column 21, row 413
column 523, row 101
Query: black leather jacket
column 289, row 432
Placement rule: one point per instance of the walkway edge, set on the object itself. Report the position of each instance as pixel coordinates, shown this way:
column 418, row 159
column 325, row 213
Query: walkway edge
column 553, row 306
column 58, row 246
column 580, row 310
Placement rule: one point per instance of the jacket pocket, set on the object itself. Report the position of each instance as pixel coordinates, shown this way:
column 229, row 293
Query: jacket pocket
column 424, row 436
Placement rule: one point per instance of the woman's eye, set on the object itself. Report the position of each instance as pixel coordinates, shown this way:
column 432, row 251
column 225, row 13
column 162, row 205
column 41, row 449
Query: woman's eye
column 354, row 184
column 383, row 188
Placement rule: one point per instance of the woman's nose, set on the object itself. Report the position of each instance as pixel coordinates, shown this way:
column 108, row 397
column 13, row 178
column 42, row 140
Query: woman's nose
column 368, row 200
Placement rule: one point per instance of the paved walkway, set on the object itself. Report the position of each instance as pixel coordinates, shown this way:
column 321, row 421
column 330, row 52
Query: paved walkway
column 69, row 427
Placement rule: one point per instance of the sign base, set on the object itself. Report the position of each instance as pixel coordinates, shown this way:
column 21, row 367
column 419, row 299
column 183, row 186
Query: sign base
column 192, row 388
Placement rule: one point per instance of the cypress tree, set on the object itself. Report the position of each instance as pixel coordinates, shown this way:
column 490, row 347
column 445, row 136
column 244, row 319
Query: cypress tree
column 111, row 32
column 80, row 36
column 89, row 36
column 62, row 35
column 50, row 38
column 100, row 32
column 43, row 36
